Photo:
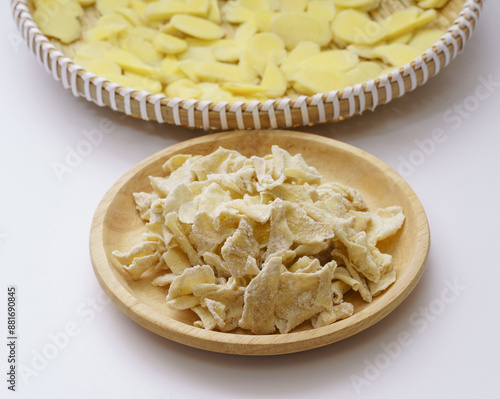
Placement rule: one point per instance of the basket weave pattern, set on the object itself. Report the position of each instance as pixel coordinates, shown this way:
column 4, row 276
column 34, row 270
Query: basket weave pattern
column 334, row 106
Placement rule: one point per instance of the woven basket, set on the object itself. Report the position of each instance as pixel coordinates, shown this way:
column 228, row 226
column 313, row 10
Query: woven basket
column 459, row 17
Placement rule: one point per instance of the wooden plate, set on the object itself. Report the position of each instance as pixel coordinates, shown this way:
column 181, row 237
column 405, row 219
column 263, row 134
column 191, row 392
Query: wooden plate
column 117, row 225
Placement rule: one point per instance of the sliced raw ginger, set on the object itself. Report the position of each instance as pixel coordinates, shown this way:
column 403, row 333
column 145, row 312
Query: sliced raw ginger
column 196, row 27
column 109, row 6
column 273, row 80
column 240, row 50
column 341, row 60
column 86, row 3
column 217, row 72
column 303, row 51
column 135, row 81
column 365, row 5
column 396, row 54
column 324, row 9
column 106, row 26
column 363, row 72
column 261, row 47
column 102, row 67
column 319, row 79
column 432, row 3
column 142, row 49
column 59, row 20
column 356, row 27
column 165, row 9
column 183, row 88
column 406, row 21
column 169, row 44
column 295, row 27
column 425, row 38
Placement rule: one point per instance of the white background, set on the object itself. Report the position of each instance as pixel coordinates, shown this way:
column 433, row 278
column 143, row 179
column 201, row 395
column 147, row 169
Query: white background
column 45, row 222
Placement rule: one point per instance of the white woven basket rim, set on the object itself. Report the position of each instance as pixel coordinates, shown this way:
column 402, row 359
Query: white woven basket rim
column 50, row 58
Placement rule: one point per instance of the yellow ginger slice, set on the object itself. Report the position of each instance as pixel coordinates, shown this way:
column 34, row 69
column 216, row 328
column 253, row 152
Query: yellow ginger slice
column 183, row 88
column 321, row 8
column 165, row 9
column 432, row 3
column 363, row 72
column 169, row 44
column 341, row 60
column 396, row 54
column 294, row 27
column 106, row 7
column 169, row 70
column 197, row 27
column 143, row 50
column 197, row 53
column 243, row 89
column 403, row 39
column 214, row 14
column 407, row 20
column 213, row 92
column 261, row 47
column 244, row 33
column 58, row 21
column 130, row 62
column 365, row 5
column 93, row 50
column 319, row 79
column 137, row 82
column 106, row 26
column 142, row 32
column 51, row 7
column 362, row 51
column 217, row 72
column 293, row 5
column 301, row 52
column 262, row 20
column 103, row 67
column 139, row 7
column 273, row 80
column 237, row 13
column 226, row 51
column 426, row 38
column 257, row 5
column 356, row 27
column 86, row 3
column 130, row 15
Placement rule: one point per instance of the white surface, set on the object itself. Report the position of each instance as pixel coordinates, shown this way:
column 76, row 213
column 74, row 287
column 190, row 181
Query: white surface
column 45, row 222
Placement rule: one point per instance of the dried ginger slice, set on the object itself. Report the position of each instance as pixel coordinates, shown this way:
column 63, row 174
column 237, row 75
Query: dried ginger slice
column 300, row 296
column 258, row 311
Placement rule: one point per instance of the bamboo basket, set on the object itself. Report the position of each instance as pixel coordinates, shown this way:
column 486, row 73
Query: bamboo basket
column 458, row 17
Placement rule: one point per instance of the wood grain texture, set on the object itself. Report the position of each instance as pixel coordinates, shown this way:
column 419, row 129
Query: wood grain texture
column 117, row 225
column 285, row 113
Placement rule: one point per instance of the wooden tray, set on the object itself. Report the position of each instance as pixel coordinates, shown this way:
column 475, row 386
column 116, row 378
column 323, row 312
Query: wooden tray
column 117, row 225
column 459, row 17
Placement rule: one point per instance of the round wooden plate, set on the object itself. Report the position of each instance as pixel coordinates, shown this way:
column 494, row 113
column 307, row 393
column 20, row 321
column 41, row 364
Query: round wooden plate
column 117, row 225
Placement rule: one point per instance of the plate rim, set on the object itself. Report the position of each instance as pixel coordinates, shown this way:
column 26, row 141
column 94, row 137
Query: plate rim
column 243, row 344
